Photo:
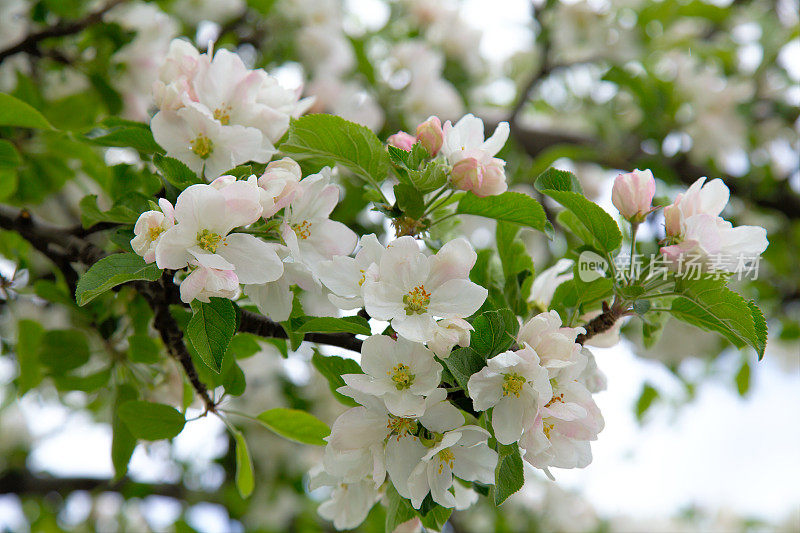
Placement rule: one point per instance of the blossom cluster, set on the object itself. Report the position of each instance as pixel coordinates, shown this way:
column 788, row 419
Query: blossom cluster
column 215, row 113
column 207, row 232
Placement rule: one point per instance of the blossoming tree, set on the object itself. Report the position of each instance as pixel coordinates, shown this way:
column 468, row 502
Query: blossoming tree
column 223, row 218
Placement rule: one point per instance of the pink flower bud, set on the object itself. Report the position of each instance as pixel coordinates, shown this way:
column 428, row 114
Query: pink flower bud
column 633, row 194
column 483, row 179
column 430, row 135
column 672, row 219
column 402, row 140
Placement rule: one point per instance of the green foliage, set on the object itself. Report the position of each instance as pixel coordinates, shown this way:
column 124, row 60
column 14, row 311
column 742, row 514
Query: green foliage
column 211, row 330
column 561, row 187
column 348, row 324
column 338, row 141
column 151, row 421
column 509, row 474
column 112, row 271
column 9, row 156
column 495, row 332
column 398, row 510
column 123, row 442
column 175, row 172
column 29, row 339
column 62, row 350
column 119, row 214
column 332, row 367
column 295, row 425
column 14, row 112
column 710, row 305
column 125, row 133
column 245, row 480
column 462, row 363
column 646, row 399
column 509, row 207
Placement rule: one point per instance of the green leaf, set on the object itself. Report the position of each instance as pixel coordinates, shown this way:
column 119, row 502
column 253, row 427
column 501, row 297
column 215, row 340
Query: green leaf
column 29, row 339
column 63, row 350
column 122, row 440
column 646, row 398
column 558, row 180
column 495, row 332
column 175, row 172
column 143, row 348
column 14, row 112
column 332, row 367
column 348, row 324
column 9, row 157
column 508, row 475
column 509, row 207
column 151, row 421
column 127, row 136
column 409, row 200
column 710, row 305
column 462, row 363
column 399, row 509
column 594, row 218
column 429, row 178
column 211, row 329
column 339, row 141
column 435, row 517
column 245, row 480
column 111, row 271
column 91, row 213
column 295, row 425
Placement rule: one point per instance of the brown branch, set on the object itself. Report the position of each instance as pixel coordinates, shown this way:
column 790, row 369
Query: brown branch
column 602, row 322
column 23, row 482
column 30, row 43
column 264, row 327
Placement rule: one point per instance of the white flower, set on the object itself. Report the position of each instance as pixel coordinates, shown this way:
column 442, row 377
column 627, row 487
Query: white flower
column 427, row 465
column 308, row 232
column 193, row 136
column 448, row 333
column 465, row 140
column 280, row 183
column 149, row 227
column 196, row 11
column 400, row 372
column 349, row 503
column 547, row 281
column 204, row 219
column 555, row 345
column 515, row 385
column 413, row 289
column 325, row 50
column 561, row 433
column 203, row 283
column 632, row 194
column 697, row 232
column 345, row 275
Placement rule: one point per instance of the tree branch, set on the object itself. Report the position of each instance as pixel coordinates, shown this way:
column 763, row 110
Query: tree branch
column 602, row 322
column 264, row 327
column 30, row 43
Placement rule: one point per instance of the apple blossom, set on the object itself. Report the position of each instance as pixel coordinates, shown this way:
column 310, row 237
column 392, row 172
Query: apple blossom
column 349, row 503
column 515, row 385
column 430, row 135
column 555, row 345
column 412, row 289
column 400, row 372
column 697, row 232
column 404, row 141
column 482, row 178
column 149, row 227
column 203, row 283
column 345, row 276
column 561, row 433
column 280, row 184
column 632, row 194
column 205, row 217
column 547, row 281
column 474, row 166
column 448, row 333
column 308, row 232
column 275, row 298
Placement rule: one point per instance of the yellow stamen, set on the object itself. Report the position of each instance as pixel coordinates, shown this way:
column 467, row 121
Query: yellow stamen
column 223, row 114
column 446, row 457
column 401, row 376
column 417, row 300
column 202, row 146
column 512, row 384
column 208, row 241
column 302, row 230
column 155, row 232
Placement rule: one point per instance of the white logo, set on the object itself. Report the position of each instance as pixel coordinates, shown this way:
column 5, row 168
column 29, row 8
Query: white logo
column 591, row 266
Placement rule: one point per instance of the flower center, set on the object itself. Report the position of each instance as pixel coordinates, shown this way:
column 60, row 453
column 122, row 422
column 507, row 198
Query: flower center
column 559, row 398
column 400, row 427
column 401, row 376
column 547, row 428
column 302, row 230
column 417, row 300
column 208, row 241
column 202, row 146
column 223, row 114
column 363, row 277
column 512, row 384
column 155, row 232
column 446, row 457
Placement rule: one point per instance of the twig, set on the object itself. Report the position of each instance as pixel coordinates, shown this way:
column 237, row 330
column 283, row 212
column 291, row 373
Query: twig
column 602, row 322
column 30, row 43
column 264, row 327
